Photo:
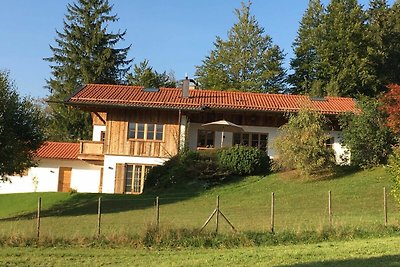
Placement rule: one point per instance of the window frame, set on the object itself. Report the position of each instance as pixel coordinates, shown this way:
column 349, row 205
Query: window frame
column 248, row 138
column 207, row 134
column 133, row 132
column 136, row 183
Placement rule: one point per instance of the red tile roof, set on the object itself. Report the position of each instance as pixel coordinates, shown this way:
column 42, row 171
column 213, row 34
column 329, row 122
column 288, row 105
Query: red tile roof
column 58, row 150
column 134, row 96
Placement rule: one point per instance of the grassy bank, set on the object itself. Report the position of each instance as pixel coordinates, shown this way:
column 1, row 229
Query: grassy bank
column 357, row 202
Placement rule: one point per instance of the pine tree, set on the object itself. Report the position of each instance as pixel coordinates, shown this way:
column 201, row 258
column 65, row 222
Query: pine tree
column 392, row 42
column 345, row 68
column 378, row 33
column 306, row 62
column 246, row 61
column 85, row 53
column 144, row 75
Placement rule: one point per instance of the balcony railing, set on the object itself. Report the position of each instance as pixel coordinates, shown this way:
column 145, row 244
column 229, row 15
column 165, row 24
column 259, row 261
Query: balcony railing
column 91, row 150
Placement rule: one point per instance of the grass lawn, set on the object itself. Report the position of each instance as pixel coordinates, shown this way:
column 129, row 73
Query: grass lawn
column 366, row 252
column 357, row 201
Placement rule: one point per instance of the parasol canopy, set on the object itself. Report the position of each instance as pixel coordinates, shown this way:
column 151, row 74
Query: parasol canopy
column 222, row 126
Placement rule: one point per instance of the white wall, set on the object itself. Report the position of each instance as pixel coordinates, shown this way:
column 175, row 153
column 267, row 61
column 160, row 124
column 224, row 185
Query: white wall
column 272, row 134
column 110, row 162
column 97, row 129
column 44, row 178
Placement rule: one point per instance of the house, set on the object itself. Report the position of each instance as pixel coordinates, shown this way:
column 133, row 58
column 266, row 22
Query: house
column 135, row 128
column 59, row 170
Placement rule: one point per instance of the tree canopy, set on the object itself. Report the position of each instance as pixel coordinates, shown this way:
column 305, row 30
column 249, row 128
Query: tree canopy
column 21, row 129
column 85, row 53
column 344, row 50
column 144, row 75
column 391, row 105
column 247, row 61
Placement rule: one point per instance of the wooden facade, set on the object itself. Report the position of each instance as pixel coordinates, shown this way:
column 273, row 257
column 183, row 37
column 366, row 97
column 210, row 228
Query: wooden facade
column 117, row 141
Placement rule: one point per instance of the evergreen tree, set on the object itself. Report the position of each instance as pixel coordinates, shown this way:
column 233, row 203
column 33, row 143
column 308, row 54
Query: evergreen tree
column 21, row 129
column 305, row 64
column 345, row 68
column 246, row 61
column 144, row 75
column 85, row 53
column 392, row 41
column 379, row 31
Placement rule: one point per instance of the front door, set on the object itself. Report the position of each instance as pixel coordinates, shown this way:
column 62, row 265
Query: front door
column 64, row 179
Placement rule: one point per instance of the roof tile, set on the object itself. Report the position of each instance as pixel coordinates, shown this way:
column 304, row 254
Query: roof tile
column 58, row 150
column 134, row 96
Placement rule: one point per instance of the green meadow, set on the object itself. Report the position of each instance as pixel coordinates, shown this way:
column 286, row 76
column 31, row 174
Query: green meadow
column 300, row 205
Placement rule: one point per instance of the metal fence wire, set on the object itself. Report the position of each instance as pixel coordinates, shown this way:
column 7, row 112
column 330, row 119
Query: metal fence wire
column 130, row 216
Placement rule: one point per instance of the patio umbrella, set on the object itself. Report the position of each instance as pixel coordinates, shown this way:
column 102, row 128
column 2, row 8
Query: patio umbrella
column 222, row 126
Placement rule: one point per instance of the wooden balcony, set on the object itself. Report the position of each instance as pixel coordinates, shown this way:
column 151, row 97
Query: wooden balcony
column 92, row 151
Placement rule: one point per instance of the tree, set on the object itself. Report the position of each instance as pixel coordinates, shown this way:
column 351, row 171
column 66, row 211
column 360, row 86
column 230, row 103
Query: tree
column 391, row 106
column 21, row 129
column 306, row 62
column 144, row 75
column 384, row 42
column 85, row 53
column 366, row 135
column 246, row 61
column 301, row 144
column 345, row 68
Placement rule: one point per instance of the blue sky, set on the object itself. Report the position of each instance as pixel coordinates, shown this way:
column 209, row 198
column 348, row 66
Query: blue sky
column 174, row 35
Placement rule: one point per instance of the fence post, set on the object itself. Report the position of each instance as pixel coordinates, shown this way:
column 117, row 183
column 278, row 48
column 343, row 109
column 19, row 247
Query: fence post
column 385, row 206
column 39, row 207
column 157, row 213
column 217, row 215
column 272, row 212
column 99, row 218
column 330, row 207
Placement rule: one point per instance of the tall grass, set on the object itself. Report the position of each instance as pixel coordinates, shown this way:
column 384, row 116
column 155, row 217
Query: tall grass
column 193, row 238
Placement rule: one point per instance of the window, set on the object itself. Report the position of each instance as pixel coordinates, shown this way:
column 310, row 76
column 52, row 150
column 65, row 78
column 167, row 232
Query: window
column 205, row 138
column 259, row 140
column 102, row 136
column 329, row 142
column 145, row 131
column 135, row 175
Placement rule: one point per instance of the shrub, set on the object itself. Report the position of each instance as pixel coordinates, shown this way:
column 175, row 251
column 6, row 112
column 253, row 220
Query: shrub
column 189, row 165
column 301, row 144
column 243, row 160
column 366, row 135
column 394, row 170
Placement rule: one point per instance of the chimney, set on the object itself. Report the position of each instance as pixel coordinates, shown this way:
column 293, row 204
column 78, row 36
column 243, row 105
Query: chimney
column 185, row 87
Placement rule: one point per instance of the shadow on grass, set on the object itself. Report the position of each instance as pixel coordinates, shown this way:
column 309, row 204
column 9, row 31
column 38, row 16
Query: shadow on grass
column 387, row 261
column 87, row 203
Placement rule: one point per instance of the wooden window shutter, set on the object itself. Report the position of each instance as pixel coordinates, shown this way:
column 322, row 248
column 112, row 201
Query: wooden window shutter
column 119, row 178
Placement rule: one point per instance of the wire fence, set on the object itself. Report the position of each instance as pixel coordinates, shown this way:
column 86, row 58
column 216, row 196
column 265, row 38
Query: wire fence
column 276, row 212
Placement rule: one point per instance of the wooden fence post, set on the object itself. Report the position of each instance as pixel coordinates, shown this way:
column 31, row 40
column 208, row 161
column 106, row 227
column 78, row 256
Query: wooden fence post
column 39, row 207
column 330, row 207
column 385, row 206
column 272, row 212
column 217, row 215
column 99, row 218
column 157, row 213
